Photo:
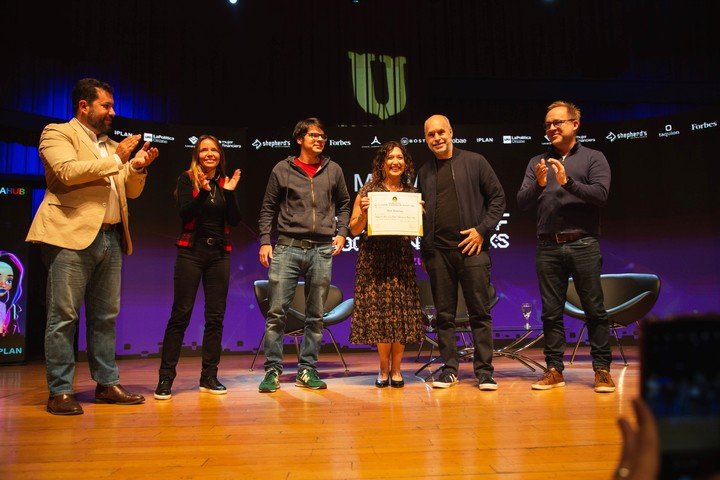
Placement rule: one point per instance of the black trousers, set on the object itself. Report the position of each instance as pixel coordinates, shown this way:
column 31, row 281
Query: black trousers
column 447, row 268
column 211, row 264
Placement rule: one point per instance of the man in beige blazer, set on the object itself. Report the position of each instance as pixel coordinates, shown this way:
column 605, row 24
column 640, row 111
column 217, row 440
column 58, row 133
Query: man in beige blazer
column 82, row 225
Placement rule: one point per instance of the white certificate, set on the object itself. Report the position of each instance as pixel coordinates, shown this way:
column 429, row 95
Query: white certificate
column 395, row 213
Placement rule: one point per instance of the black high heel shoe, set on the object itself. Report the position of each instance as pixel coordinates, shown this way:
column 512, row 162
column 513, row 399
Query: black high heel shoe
column 382, row 383
column 396, row 383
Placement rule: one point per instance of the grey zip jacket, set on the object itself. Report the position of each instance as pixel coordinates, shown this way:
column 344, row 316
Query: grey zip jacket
column 315, row 208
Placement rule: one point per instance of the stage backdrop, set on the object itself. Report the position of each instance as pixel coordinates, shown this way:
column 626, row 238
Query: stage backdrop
column 661, row 217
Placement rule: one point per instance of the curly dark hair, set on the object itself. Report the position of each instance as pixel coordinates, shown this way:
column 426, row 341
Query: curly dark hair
column 378, row 174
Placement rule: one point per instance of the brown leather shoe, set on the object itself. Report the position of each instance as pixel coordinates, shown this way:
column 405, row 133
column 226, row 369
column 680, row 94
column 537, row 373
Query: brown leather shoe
column 117, row 394
column 64, row 404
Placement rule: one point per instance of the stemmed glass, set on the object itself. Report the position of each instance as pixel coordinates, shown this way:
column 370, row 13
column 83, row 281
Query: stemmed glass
column 526, row 309
column 429, row 312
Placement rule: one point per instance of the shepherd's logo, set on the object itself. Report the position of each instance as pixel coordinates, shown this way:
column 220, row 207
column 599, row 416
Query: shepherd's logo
column 364, row 83
column 257, row 144
column 611, row 136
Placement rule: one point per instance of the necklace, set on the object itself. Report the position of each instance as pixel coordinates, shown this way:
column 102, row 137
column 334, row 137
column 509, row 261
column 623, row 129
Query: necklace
column 212, row 192
column 393, row 188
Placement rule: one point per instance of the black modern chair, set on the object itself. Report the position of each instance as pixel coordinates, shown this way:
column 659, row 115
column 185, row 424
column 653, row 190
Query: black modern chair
column 628, row 298
column 336, row 311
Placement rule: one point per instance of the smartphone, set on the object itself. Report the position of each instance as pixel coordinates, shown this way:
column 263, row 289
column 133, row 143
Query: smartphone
column 680, row 382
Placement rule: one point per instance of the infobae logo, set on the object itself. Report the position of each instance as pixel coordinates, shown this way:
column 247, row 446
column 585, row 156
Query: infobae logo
column 703, row 125
column 510, row 139
column 258, row 144
column 612, row 136
column 669, row 131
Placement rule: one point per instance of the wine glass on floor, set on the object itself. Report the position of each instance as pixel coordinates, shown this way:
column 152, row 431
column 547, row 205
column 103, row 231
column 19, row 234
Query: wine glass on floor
column 526, row 309
column 429, row 312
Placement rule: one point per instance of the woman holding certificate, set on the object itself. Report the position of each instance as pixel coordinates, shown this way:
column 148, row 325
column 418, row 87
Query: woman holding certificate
column 387, row 303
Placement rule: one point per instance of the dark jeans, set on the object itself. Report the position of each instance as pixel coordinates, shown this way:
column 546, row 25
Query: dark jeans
column 555, row 263
column 211, row 263
column 446, row 268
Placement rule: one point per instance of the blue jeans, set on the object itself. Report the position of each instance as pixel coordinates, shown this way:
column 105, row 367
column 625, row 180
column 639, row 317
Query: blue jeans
column 447, row 268
column 92, row 274
column 211, row 264
column 287, row 266
column 555, row 263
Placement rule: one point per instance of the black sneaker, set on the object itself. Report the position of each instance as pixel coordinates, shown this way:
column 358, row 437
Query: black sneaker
column 486, row 382
column 162, row 392
column 212, row 385
column 446, row 380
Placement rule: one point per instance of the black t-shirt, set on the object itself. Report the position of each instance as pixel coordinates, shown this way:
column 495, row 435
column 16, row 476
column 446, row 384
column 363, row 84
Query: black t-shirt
column 447, row 211
column 212, row 221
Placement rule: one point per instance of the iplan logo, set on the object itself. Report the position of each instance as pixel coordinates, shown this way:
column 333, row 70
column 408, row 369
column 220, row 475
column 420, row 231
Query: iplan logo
column 484, row 140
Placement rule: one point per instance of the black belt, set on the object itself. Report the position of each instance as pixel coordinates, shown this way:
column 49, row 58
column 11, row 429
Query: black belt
column 300, row 243
column 212, row 241
column 562, row 237
column 108, row 226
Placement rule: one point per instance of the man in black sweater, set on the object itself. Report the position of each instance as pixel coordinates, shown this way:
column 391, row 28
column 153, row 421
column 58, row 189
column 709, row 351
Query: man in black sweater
column 464, row 201
column 569, row 197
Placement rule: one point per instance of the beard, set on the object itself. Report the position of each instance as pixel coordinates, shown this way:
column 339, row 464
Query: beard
column 97, row 122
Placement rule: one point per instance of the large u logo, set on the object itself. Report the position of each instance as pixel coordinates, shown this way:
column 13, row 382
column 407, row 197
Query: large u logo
column 365, row 87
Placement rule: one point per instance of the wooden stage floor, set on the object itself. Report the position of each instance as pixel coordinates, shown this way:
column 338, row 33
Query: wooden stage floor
column 350, row 431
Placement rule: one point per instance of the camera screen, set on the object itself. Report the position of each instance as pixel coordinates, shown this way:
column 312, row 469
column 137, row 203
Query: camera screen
column 680, row 379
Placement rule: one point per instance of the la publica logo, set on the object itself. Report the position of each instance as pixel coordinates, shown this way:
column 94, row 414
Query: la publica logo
column 155, row 138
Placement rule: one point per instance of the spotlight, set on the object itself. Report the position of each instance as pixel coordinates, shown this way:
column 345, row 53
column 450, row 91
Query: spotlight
column 233, row 2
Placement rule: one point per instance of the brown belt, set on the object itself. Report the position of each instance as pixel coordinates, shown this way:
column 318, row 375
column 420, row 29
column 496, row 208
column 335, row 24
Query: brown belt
column 108, row 226
column 562, row 237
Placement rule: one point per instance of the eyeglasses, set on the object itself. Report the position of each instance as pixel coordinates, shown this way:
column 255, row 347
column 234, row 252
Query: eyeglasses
column 557, row 123
column 317, row 136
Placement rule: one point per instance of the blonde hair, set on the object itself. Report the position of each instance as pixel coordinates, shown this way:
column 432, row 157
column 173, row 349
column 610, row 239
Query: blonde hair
column 572, row 109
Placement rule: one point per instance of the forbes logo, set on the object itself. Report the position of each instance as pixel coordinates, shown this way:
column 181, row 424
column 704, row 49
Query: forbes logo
column 340, row 143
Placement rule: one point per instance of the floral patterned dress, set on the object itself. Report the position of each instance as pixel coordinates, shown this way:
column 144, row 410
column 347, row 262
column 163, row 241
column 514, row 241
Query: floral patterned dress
column 387, row 301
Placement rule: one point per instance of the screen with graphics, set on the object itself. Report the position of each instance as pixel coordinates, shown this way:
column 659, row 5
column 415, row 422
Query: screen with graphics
column 15, row 208
column 661, row 217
